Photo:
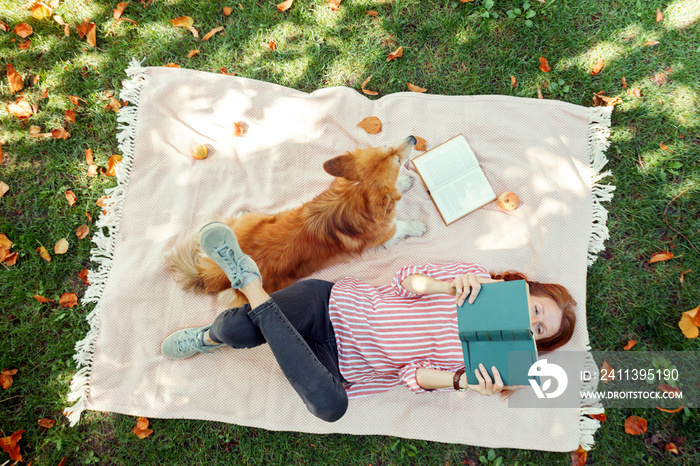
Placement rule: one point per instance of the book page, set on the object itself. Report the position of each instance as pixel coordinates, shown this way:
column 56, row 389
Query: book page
column 446, row 162
column 462, row 195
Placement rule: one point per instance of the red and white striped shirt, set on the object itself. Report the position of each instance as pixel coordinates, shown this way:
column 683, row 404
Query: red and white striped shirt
column 385, row 333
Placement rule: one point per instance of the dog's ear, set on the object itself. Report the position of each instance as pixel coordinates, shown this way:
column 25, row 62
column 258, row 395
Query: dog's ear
column 342, row 166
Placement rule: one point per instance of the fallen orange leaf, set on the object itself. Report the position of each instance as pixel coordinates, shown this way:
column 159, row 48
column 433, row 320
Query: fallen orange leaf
column 689, row 323
column 659, row 16
column 671, row 411
column 82, row 231
column 183, row 21
column 44, row 253
column 682, row 274
column 544, row 65
column 651, row 42
column 119, row 10
column 192, row 53
column 209, row 34
column 371, row 13
column 636, row 92
column 579, row 456
column 661, row 256
column 9, row 444
column 513, row 82
column 41, row 11
column 68, row 300
column 663, row 146
column 71, row 197
column 598, row 417
column 415, row 88
column 6, row 377
column 23, row 30
column 42, row 300
column 598, row 67
column 272, row 44
column 395, row 54
column 15, row 79
column 60, row 133
column 21, row 109
column 227, row 10
column 609, row 372
column 635, row 425
column 284, row 6
column 624, row 82
column 141, row 430
column 630, row 344
column 61, row 246
column 668, row 389
column 5, row 188
column 372, row 125
column 83, row 275
column 47, row 423
column 672, row 448
column 92, row 35
column 420, row 144
column 334, row 4
column 112, row 164
column 367, row 91
column 70, row 116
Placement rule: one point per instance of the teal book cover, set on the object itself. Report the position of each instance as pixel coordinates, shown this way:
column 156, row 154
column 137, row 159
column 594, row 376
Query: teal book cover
column 495, row 331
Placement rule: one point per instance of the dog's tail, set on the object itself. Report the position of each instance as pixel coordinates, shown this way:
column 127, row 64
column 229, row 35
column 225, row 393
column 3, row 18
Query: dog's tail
column 193, row 270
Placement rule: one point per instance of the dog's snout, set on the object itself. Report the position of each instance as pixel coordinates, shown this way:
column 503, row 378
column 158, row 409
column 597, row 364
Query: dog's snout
column 412, row 140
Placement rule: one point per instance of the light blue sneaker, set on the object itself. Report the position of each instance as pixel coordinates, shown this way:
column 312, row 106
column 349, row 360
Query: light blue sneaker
column 186, row 342
column 218, row 241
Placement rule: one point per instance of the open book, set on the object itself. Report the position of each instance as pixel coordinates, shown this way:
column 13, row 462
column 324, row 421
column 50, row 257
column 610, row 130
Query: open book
column 454, row 179
column 495, row 331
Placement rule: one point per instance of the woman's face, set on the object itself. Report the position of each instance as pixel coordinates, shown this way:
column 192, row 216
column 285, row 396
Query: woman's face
column 545, row 316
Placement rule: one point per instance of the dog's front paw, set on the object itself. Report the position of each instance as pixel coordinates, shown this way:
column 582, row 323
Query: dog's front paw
column 404, row 183
column 415, row 227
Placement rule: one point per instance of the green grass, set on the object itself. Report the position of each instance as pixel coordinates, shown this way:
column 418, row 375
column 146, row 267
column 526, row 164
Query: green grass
column 449, row 48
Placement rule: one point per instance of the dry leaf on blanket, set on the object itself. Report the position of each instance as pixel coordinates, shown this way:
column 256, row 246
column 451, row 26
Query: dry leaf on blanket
column 367, row 91
column 544, row 65
column 395, row 54
column 61, row 246
column 284, row 6
column 68, row 300
column 141, row 430
column 372, row 125
column 6, row 377
column 635, row 425
column 240, row 128
column 9, row 444
column 43, row 253
column 579, row 456
column 15, row 79
column 689, row 323
column 661, row 256
column 420, row 144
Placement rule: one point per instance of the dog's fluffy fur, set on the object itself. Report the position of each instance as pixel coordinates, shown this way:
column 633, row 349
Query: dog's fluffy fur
column 355, row 213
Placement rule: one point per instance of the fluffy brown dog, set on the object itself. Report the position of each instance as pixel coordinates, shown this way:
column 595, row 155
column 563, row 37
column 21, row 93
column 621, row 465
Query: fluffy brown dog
column 355, row 213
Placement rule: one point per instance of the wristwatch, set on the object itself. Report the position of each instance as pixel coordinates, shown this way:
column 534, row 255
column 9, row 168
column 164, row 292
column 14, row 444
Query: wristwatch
column 455, row 380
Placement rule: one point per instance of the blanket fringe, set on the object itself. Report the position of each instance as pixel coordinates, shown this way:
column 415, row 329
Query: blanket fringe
column 102, row 252
column 598, row 133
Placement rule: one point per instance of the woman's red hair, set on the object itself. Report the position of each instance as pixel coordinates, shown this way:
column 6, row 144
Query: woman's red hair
column 561, row 296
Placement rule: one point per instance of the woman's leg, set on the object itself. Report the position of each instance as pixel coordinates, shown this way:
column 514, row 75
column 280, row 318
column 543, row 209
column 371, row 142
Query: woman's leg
column 321, row 391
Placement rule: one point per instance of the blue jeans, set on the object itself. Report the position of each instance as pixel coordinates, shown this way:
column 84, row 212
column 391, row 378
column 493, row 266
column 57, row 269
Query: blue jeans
column 296, row 326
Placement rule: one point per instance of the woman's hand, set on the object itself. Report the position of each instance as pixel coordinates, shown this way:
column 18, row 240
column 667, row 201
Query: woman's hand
column 488, row 387
column 468, row 285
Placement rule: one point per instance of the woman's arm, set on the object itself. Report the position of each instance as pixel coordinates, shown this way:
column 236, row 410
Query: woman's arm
column 461, row 287
column 431, row 379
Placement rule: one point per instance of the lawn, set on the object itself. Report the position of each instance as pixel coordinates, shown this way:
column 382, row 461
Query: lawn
column 650, row 57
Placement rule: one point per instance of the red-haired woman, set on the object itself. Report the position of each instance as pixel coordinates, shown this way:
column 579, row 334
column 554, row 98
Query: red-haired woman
column 335, row 341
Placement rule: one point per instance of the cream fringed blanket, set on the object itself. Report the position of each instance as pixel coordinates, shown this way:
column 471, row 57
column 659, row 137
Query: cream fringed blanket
column 549, row 153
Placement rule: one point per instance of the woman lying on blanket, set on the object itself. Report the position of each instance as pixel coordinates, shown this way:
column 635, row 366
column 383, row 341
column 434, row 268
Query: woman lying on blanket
column 349, row 339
